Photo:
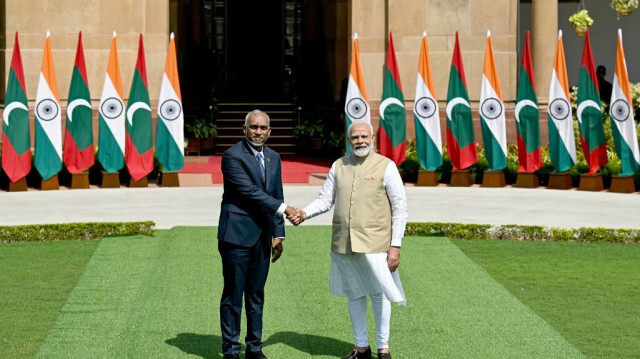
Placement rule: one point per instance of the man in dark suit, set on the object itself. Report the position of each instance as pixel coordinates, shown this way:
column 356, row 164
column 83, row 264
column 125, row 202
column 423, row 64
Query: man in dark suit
column 251, row 228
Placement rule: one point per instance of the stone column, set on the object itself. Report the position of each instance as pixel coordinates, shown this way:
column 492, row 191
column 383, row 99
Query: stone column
column 544, row 36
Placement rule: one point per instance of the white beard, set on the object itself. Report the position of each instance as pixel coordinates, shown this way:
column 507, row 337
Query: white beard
column 255, row 144
column 362, row 152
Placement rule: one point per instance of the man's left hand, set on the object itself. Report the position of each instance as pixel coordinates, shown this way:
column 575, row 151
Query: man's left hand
column 276, row 250
column 393, row 258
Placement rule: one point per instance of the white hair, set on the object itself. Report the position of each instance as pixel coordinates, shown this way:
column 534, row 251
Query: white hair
column 256, row 112
column 359, row 122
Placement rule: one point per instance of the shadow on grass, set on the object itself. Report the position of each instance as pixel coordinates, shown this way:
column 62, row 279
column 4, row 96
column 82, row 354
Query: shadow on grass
column 208, row 346
column 308, row 343
column 204, row 346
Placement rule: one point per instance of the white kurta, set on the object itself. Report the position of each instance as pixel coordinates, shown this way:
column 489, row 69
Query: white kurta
column 357, row 275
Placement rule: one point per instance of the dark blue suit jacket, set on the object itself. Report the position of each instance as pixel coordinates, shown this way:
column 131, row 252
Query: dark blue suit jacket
column 249, row 204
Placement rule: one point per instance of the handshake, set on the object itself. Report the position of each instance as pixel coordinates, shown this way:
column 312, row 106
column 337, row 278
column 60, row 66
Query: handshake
column 295, row 215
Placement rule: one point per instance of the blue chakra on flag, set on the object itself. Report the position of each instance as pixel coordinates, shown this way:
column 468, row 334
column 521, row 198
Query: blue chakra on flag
column 357, row 108
column 111, row 108
column 170, row 110
column 620, row 110
column 47, row 109
column 425, row 107
column 559, row 109
column 491, row 108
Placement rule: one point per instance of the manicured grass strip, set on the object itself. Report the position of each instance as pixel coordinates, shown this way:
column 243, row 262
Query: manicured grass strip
column 35, row 280
column 158, row 298
column 136, row 293
column 458, row 311
column 589, row 292
column 73, row 231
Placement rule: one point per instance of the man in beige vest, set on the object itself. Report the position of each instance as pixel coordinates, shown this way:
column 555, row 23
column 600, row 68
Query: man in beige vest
column 368, row 225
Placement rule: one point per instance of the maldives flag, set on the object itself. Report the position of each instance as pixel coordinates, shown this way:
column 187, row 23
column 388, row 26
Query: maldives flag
column 589, row 113
column 621, row 111
column 111, row 116
column 170, row 128
column 494, row 133
column 356, row 105
column 78, row 151
column 48, row 131
column 139, row 145
column 461, row 140
column 16, row 141
column 527, row 116
column 426, row 114
column 562, row 145
column 392, row 114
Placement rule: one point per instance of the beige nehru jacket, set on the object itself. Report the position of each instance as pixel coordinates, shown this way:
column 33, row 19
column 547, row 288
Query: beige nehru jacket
column 362, row 212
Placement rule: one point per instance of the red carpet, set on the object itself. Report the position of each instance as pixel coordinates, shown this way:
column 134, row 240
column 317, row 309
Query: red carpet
column 295, row 169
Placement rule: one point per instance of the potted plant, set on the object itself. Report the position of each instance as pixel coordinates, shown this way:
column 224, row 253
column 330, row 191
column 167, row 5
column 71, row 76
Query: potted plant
column 200, row 135
column 309, row 132
column 581, row 21
column 624, row 7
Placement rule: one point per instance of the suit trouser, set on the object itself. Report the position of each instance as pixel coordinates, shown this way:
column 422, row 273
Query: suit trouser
column 245, row 272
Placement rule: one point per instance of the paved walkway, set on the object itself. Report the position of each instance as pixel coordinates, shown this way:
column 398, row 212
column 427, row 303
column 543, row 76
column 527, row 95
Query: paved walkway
column 199, row 206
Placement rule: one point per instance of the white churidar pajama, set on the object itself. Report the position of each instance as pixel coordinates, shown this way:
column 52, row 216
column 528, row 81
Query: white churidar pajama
column 358, row 275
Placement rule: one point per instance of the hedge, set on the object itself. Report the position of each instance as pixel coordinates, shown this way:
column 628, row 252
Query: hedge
column 73, row 231
column 523, row 233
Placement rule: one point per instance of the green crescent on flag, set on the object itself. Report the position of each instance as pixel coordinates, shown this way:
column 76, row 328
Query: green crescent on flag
column 139, row 144
column 392, row 113
column 78, row 151
column 16, row 140
column 589, row 113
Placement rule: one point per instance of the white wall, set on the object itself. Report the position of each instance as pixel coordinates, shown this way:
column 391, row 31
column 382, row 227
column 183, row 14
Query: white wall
column 603, row 34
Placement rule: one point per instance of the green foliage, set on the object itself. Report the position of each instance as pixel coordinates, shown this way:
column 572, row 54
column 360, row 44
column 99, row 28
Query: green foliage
column 334, row 140
column 309, row 128
column 409, row 167
column 521, row 232
column 581, row 18
column 201, row 128
column 621, row 5
column 73, row 231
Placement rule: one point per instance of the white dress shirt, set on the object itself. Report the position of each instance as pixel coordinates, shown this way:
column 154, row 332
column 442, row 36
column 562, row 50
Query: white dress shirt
column 395, row 192
column 283, row 206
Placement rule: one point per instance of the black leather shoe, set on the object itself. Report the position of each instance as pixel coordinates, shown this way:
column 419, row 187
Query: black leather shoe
column 254, row 355
column 384, row 355
column 232, row 356
column 357, row 355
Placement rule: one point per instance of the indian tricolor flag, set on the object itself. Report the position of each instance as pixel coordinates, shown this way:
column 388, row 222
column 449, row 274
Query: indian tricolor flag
column 112, row 116
column 562, row 145
column 494, row 133
column 527, row 115
column 16, row 140
column 426, row 114
column 48, row 124
column 139, row 144
column 78, row 152
column 356, row 105
column 170, row 128
column 589, row 113
column 392, row 114
column 621, row 111
column 461, row 140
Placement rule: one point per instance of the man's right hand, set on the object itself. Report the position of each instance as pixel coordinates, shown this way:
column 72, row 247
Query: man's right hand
column 295, row 215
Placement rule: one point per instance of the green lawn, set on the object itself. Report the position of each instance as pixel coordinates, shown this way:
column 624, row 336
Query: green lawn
column 35, row 281
column 143, row 297
column 589, row 292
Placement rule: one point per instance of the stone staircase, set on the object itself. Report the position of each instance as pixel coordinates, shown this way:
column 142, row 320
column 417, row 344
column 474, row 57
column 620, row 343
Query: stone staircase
column 230, row 118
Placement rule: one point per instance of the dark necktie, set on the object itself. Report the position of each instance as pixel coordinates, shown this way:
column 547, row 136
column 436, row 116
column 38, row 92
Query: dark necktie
column 259, row 158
